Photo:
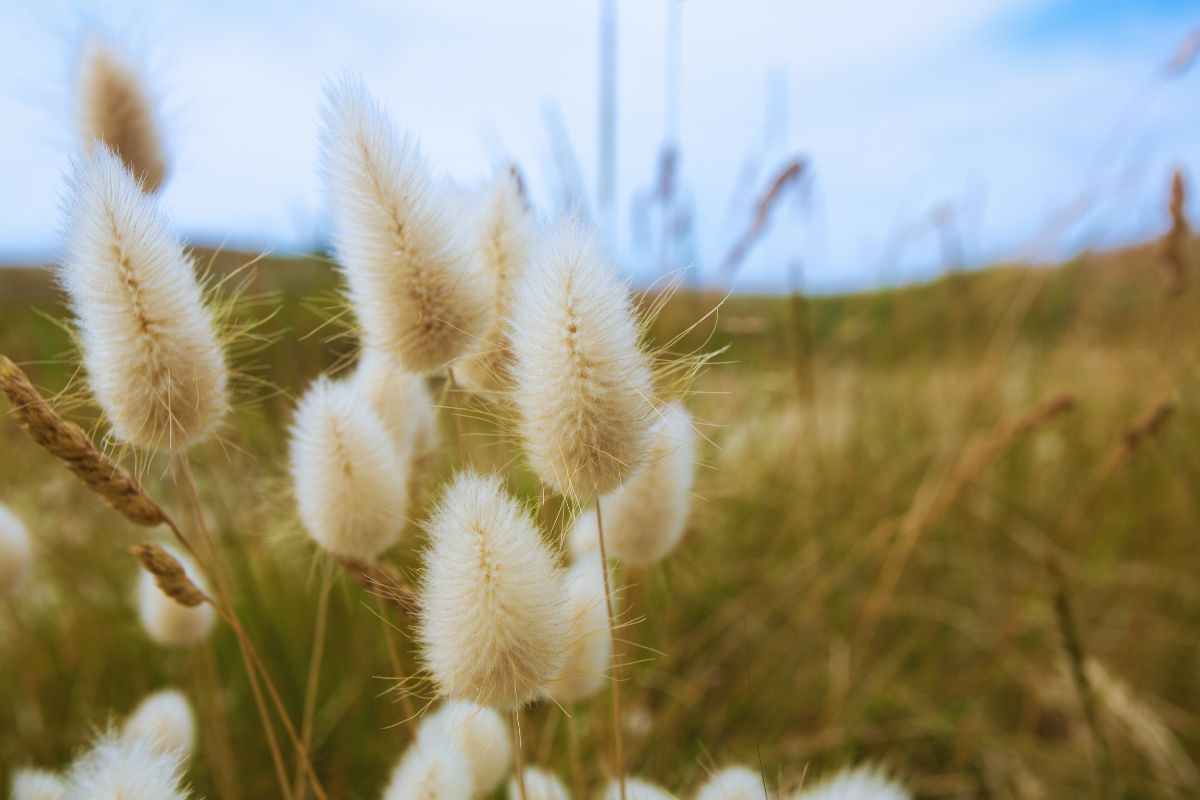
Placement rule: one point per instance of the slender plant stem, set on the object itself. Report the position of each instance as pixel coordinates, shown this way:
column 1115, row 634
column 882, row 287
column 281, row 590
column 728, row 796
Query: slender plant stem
column 576, row 756
column 618, row 743
column 314, row 677
column 518, row 752
column 226, row 606
column 389, row 637
column 219, row 749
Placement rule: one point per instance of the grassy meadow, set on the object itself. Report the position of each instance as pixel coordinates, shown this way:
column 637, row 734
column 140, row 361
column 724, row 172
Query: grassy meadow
column 886, row 481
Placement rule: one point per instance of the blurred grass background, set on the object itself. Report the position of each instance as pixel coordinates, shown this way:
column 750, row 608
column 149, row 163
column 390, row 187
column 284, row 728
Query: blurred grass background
column 863, row 578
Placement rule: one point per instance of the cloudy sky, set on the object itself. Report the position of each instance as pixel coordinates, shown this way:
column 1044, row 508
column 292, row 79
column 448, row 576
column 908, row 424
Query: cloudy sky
column 992, row 115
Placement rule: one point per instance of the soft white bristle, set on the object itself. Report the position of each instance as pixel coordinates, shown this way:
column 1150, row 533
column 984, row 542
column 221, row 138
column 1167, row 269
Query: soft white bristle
column 644, row 519
column 857, row 783
column 540, row 784
column 117, row 768
column 165, row 720
column 37, row 784
column 167, row 621
column 636, row 789
column 493, row 622
column 413, row 282
column 402, row 401
column 581, row 384
column 480, row 733
column 589, row 645
column 15, row 551
column 350, row 480
column 733, row 783
column 430, row 771
column 503, row 238
column 114, row 106
column 151, row 351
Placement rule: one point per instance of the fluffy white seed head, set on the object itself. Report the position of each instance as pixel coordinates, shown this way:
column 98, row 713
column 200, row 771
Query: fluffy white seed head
column 402, row 401
column 733, row 783
column 414, row 285
column 636, row 789
column 540, row 784
column 153, row 358
column 504, row 233
column 15, row 551
column 167, row 621
column 114, row 106
column 589, row 645
column 118, row 768
column 644, row 519
column 493, row 625
column 37, row 784
column 165, row 720
column 430, row 771
column 583, row 540
column 350, row 480
column 480, row 733
column 858, row 783
column 582, row 386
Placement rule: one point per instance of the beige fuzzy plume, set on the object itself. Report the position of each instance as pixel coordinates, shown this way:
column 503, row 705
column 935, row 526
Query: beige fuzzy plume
column 493, row 625
column 581, row 383
column 636, row 789
column 15, row 552
column 503, row 238
column 37, row 784
column 402, row 401
column 114, row 106
column 857, row 783
column 644, row 519
column 117, row 768
column 165, row 720
column 430, row 771
column 733, row 783
column 540, row 784
column 166, row 620
column 412, row 278
column 480, row 733
column 350, row 480
column 151, row 351
column 589, row 646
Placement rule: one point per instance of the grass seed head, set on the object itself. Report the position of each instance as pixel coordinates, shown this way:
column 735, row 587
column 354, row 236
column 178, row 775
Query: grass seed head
column 414, row 285
column 589, row 646
column 37, row 784
column 402, row 401
column 165, row 720
column 493, row 625
column 480, row 733
column 152, row 354
column 430, row 771
column 540, row 784
column 857, row 783
column 636, row 789
column 350, row 480
column 119, row 768
column 114, row 106
column 15, row 552
column 733, row 783
column 172, row 619
column 581, row 383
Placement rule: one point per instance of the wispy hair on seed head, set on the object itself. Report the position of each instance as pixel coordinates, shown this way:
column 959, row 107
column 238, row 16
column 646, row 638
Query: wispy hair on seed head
column 150, row 348
column 119, row 768
column 114, row 106
column 412, row 281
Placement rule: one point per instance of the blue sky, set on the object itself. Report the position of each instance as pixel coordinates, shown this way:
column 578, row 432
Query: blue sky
column 997, row 112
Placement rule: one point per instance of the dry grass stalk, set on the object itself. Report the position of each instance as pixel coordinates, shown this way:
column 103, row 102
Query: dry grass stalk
column 67, row 442
column 788, row 175
column 383, row 581
column 1175, row 241
column 169, row 574
column 1003, row 437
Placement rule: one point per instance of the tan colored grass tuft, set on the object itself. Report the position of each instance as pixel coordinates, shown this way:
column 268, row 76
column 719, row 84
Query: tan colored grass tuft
column 67, row 442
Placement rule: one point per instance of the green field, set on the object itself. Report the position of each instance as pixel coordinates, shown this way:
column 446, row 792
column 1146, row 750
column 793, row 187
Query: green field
column 864, row 576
